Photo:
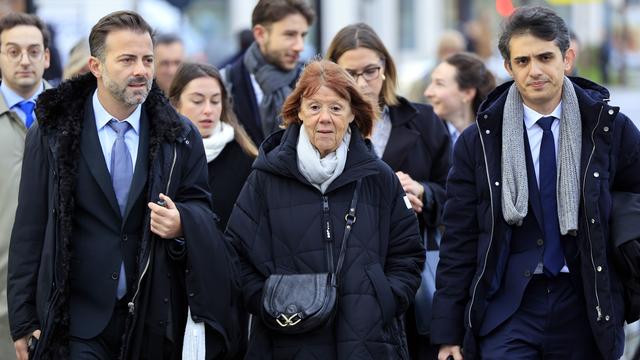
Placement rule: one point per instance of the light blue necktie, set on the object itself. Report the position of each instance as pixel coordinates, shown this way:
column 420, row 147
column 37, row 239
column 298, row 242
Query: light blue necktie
column 27, row 108
column 553, row 258
column 121, row 176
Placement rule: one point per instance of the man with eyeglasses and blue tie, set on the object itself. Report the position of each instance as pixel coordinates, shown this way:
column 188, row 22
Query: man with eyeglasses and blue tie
column 24, row 55
column 528, row 262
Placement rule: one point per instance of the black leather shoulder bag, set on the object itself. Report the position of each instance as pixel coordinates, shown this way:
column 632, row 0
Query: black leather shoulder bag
column 299, row 303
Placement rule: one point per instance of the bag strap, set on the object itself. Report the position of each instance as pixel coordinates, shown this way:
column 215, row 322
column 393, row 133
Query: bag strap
column 350, row 218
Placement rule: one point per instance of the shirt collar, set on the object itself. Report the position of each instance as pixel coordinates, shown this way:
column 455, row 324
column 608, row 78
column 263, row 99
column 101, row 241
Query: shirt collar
column 531, row 116
column 103, row 117
column 12, row 98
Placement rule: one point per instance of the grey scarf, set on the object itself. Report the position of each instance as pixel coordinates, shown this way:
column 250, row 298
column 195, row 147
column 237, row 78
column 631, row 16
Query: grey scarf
column 321, row 171
column 515, row 190
column 275, row 84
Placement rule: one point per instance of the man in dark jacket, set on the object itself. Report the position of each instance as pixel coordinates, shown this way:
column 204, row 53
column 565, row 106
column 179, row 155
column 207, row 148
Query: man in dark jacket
column 261, row 79
column 526, row 266
column 113, row 215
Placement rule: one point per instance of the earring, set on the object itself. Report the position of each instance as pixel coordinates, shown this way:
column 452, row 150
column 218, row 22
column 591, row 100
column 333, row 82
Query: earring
column 383, row 77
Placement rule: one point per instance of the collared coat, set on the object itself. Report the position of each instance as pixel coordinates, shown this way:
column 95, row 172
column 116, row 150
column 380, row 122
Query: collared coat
column 419, row 146
column 201, row 274
column 12, row 135
column 476, row 239
column 276, row 228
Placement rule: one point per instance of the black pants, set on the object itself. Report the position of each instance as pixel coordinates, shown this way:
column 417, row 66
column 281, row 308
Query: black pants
column 105, row 346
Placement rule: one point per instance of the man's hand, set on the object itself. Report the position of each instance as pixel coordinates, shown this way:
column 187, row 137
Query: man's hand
column 22, row 352
column 448, row 352
column 414, row 190
column 165, row 220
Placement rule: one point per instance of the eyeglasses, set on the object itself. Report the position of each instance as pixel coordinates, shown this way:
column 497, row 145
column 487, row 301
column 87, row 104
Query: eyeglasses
column 15, row 54
column 369, row 74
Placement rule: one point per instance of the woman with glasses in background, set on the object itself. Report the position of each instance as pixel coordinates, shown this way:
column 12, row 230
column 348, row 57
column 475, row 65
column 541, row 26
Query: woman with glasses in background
column 409, row 137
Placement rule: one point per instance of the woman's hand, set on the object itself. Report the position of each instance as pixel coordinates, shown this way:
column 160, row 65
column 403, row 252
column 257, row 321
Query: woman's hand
column 414, row 190
column 165, row 220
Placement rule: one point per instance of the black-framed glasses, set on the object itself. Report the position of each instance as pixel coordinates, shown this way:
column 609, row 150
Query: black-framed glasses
column 369, row 74
column 14, row 53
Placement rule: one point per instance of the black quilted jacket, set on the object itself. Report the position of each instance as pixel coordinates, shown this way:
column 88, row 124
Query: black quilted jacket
column 275, row 227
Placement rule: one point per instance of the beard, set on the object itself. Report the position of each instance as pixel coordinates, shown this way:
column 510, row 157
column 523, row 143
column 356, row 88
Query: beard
column 126, row 95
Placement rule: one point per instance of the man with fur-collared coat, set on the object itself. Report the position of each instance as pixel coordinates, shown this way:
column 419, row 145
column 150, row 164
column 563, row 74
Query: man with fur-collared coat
column 97, row 274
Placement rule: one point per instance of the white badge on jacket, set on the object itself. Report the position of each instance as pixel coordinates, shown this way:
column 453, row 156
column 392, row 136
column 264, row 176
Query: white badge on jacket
column 407, row 202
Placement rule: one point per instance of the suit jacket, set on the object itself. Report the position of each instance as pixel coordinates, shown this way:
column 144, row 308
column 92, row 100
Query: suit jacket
column 102, row 237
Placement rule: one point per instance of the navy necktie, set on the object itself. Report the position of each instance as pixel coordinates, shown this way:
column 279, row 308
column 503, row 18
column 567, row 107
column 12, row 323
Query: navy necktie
column 553, row 258
column 27, row 108
column 121, row 176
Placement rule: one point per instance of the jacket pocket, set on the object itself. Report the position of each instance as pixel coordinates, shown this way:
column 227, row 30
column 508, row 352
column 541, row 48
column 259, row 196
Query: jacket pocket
column 383, row 291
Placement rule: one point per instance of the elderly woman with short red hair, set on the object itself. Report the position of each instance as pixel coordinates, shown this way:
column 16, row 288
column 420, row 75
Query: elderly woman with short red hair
column 320, row 202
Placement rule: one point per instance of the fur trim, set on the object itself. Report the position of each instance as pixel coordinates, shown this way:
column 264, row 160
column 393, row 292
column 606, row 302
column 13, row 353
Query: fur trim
column 60, row 114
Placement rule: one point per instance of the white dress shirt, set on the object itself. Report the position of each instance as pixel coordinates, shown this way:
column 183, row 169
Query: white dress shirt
column 108, row 136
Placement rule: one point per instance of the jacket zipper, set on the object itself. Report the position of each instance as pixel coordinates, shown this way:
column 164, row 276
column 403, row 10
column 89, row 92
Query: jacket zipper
column 131, row 303
column 486, row 255
column 584, row 199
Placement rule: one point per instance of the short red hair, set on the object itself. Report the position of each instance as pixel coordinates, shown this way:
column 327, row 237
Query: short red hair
column 319, row 73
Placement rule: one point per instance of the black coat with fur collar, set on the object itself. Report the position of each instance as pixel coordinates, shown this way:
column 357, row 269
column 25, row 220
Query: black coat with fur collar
column 169, row 276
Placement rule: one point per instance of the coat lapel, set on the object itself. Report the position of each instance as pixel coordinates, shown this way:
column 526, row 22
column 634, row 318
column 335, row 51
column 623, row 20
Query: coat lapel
column 142, row 164
column 402, row 138
column 92, row 154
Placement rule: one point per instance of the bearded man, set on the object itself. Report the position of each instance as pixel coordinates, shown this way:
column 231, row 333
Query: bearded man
column 113, row 214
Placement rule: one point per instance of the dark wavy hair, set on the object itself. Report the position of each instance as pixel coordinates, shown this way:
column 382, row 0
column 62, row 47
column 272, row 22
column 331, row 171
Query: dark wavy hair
column 538, row 21
column 471, row 73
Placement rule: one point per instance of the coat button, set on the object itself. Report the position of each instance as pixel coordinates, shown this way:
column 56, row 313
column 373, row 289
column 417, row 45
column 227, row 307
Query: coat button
column 486, row 116
column 195, row 317
column 187, row 271
column 606, row 129
column 124, row 237
column 527, row 273
column 488, row 131
column 540, row 242
column 599, row 268
column 192, row 294
column 593, row 221
column 166, row 300
column 611, row 111
column 596, row 174
column 606, row 317
column 497, row 183
column 114, row 276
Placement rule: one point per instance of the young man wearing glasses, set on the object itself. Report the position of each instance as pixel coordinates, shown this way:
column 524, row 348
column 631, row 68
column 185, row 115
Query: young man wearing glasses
column 24, row 55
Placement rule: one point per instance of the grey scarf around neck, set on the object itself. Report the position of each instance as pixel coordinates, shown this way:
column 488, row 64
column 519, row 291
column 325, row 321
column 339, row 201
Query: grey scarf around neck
column 275, row 84
column 515, row 190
